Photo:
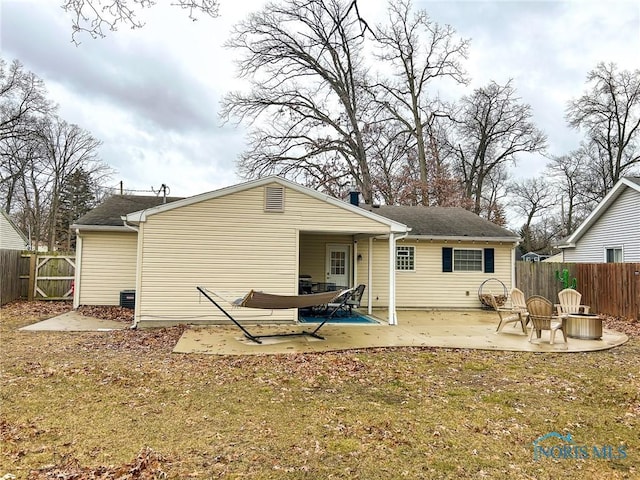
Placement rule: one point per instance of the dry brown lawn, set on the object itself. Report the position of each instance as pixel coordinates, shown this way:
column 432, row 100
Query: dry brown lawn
column 121, row 405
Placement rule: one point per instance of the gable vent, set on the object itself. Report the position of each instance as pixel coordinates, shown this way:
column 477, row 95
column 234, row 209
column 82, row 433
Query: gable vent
column 274, row 199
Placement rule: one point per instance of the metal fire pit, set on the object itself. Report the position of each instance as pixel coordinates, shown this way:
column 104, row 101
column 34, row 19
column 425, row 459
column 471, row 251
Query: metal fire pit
column 586, row 326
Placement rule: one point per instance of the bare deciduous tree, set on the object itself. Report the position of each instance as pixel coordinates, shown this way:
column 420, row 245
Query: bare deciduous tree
column 493, row 127
column 609, row 112
column 23, row 100
column 418, row 50
column 306, row 104
column 571, row 180
column 67, row 148
column 94, row 17
column 531, row 198
column 23, row 96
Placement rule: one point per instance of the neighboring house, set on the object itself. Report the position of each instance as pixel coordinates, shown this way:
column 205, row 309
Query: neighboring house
column 555, row 258
column 268, row 233
column 11, row 237
column 533, row 257
column 611, row 233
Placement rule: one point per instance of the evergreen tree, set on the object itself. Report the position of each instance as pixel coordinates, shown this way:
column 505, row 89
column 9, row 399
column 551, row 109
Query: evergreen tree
column 77, row 197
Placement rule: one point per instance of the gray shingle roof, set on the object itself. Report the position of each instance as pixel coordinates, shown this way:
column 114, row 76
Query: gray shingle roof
column 109, row 212
column 441, row 221
column 435, row 221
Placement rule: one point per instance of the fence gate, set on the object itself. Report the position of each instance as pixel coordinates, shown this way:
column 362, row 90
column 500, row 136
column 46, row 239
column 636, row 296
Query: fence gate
column 54, row 276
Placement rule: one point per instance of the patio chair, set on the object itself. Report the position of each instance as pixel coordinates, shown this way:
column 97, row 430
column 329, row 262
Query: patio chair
column 353, row 301
column 541, row 315
column 505, row 319
column 518, row 301
column 570, row 302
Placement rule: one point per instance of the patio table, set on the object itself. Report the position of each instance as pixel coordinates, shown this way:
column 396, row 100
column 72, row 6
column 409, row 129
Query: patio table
column 586, row 326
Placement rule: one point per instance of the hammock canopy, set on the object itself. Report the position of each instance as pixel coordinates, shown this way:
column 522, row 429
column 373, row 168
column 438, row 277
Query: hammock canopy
column 269, row 301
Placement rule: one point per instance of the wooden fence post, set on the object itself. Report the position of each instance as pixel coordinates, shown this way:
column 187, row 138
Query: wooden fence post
column 32, row 275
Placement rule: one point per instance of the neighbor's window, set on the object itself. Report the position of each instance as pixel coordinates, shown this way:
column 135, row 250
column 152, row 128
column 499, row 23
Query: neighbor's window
column 613, row 254
column 405, row 258
column 467, row 260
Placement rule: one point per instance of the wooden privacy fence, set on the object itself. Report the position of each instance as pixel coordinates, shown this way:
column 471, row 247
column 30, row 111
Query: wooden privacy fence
column 10, row 267
column 36, row 276
column 52, row 277
column 609, row 288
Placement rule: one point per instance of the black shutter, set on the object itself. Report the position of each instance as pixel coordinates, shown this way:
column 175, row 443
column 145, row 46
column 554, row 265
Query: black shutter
column 489, row 260
column 447, row 259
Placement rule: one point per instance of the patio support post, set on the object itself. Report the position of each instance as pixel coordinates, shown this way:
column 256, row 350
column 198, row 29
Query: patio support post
column 370, row 277
column 354, row 261
column 392, row 280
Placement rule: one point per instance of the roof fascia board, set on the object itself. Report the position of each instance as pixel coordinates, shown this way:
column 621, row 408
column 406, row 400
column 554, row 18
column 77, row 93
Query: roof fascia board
column 599, row 210
column 100, row 228
column 444, row 238
column 141, row 215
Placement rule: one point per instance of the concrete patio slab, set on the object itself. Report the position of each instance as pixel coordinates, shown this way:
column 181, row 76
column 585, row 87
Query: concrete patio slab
column 450, row 329
column 75, row 322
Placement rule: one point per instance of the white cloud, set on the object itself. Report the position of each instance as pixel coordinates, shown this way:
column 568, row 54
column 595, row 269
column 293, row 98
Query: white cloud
column 152, row 95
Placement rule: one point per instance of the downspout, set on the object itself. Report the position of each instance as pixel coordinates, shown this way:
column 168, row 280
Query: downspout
column 513, row 265
column 76, row 280
column 393, row 318
column 134, row 325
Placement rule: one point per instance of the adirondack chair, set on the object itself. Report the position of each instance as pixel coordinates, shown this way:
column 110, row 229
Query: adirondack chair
column 540, row 313
column 505, row 318
column 519, row 303
column 570, row 303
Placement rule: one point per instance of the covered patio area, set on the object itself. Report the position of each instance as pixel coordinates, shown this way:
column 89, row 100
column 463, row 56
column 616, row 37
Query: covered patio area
column 472, row 329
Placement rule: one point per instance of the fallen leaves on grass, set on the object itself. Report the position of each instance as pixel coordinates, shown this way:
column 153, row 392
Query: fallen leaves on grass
column 628, row 326
column 148, row 464
column 37, row 309
column 108, row 312
column 152, row 340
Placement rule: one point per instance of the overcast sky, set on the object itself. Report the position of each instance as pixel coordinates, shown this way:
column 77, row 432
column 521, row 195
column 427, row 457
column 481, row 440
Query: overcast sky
column 152, row 95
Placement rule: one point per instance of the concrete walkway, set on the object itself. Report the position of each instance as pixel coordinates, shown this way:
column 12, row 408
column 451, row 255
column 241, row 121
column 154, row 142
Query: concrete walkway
column 450, row 329
column 76, row 322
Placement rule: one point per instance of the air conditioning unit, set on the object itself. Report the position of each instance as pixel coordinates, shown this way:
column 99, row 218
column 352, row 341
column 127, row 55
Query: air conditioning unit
column 128, row 298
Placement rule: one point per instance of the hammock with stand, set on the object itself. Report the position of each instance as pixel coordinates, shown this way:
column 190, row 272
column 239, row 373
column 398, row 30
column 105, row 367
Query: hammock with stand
column 269, row 301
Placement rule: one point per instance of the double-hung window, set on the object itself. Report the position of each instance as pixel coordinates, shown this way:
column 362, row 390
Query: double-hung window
column 613, row 254
column 467, row 260
column 405, row 258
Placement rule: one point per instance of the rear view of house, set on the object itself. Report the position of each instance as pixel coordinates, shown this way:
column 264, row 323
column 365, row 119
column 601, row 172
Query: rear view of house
column 267, row 235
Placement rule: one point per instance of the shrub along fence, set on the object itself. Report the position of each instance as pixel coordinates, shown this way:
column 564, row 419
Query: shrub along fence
column 609, row 288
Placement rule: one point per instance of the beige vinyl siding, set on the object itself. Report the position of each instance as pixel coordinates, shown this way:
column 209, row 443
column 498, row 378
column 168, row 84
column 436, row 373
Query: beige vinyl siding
column 428, row 286
column 619, row 226
column 108, row 266
column 230, row 245
column 310, row 214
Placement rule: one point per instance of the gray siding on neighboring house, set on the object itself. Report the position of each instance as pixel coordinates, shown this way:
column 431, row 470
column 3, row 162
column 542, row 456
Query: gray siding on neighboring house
column 619, row 226
column 10, row 237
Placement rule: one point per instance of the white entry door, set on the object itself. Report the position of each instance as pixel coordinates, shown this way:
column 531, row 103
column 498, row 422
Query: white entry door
column 338, row 265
